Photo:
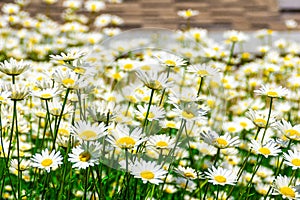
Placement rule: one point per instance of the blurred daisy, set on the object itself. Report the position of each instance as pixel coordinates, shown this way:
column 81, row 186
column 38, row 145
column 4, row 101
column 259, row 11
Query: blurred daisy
column 85, row 155
column 186, row 14
column 46, row 94
column 291, row 23
column 18, row 91
column 272, row 91
column 235, row 36
column 187, row 172
column 221, row 142
column 153, row 80
column 155, row 112
column 170, row 60
column 190, row 111
column 221, row 176
column 259, row 118
column 282, row 187
column 13, row 67
column 270, row 148
column 86, row 131
column 292, row 158
column 69, row 79
column 46, row 160
column 55, row 108
column 123, row 138
column 69, row 56
column 24, row 164
column 148, row 171
column 161, row 142
column 186, row 184
column 94, row 6
column 289, row 131
column 203, row 70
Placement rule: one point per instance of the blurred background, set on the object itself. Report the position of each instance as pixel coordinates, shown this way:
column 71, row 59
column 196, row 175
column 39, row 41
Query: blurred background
column 213, row 15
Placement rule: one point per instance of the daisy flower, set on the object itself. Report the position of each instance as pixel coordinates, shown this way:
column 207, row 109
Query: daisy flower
column 221, row 142
column 221, row 176
column 153, row 80
column 272, row 91
column 190, row 111
column 186, row 184
column 69, row 79
column 292, row 158
column 18, row 91
column 161, row 142
column 24, row 164
column 235, row 36
column 148, row 171
column 86, row 131
column 155, row 112
column 85, row 155
column 56, row 107
column 170, row 60
column 203, row 70
column 282, row 187
column 259, row 118
column 186, row 14
column 69, row 56
column 46, row 94
column 94, row 6
column 13, row 67
column 270, row 148
column 46, row 160
column 291, row 23
column 187, row 172
column 289, row 131
column 123, row 138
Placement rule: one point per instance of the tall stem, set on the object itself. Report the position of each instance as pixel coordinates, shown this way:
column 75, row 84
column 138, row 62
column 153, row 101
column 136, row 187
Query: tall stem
column 200, row 86
column 148, row 109
column 268, row 120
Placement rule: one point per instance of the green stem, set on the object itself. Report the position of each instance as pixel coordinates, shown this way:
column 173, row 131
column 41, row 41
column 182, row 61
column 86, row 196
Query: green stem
column 60, row 117
column 86, row 183
column 268, row 120
column 148, row 109
column 200, row 86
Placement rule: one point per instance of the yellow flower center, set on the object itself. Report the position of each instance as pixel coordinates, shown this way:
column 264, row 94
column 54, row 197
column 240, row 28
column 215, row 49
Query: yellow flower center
column 170, row 63
column 287, row 191
column 296, row 161
column 202, row 72
column 128, row 66
column 150, row 115
column 146, row 67
column 260, row 122
column 161, row 144
column 117, row 76
column 187, row 115
column 189, row 175
column 188, row 13
column 63, row 131
column 46, row 96
column 155, row 84
column 231, row 129
column 125, row 142
column 243, row 124
column 147, row 174
column 84, row 156
column 87, row 134
column 47, row 162
column 292, row 132
column 272, row 93
column 220, row 179
column 221, row 142
column 264, row 150
column 68, row 81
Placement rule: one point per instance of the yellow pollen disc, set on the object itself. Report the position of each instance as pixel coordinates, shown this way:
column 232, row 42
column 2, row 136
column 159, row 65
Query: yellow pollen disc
column 187, row 115
column 272, row 93
column 234, row 38
column 260, row 122
column 188, row 13
column 262, row 191
column 264, row 150
column 47, row 162
column 287, row 191
column 170, row 125
column 146, row 68
column 128, row 66
column 231, row 129
column 79, row 70
column 68, row 81
column 125, row 142
column 93, row 7
column 147, row 174
column 202, row 72
column 150, row 115
column 84, row 156
column 197, row 36
column 1, row 98
column 155, row 84
column 210, row 103
column 292, row 132
column 220, row 179
column 87, row 134
column 189, row 175
column 243, row 124
column 296, row 161
column 117, row 76
column 63, row 131
column 161, row 144
column 46, row 96
column 170, row 63
column 221, row 141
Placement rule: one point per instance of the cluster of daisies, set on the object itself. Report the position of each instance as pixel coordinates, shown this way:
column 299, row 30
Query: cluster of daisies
column 192, row 119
